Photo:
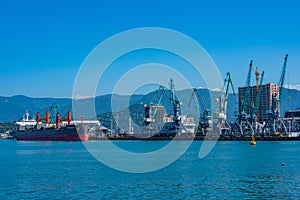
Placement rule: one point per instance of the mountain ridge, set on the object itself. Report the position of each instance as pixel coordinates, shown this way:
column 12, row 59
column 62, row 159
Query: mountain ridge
column 13, row 108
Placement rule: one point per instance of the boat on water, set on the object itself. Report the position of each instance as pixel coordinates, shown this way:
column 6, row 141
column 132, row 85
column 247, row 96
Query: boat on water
column 36, row 130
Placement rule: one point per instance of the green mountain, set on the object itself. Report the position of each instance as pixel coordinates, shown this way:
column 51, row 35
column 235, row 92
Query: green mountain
column 13, row 108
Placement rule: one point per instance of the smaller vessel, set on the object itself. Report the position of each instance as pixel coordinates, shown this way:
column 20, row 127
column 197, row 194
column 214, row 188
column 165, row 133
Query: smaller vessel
column 253, row 142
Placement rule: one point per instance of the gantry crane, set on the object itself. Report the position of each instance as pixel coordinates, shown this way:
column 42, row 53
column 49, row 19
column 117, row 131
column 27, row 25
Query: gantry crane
column 223, row 126
column 205, row 122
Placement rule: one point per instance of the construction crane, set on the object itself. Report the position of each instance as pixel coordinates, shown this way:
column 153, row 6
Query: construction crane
column 222, row 124
column 258, row 96
column 256, row 76
column 205, row 122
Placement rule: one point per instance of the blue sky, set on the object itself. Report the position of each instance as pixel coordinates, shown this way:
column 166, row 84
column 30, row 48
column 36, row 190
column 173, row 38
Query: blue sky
column 43, row 43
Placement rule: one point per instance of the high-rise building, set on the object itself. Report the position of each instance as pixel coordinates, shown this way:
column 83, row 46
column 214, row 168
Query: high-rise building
column 269, row 91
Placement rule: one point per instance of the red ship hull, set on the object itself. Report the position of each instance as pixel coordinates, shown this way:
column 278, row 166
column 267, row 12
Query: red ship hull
column 69, row 133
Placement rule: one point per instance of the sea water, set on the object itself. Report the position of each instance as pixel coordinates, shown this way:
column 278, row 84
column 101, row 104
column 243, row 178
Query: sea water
column 232, row 170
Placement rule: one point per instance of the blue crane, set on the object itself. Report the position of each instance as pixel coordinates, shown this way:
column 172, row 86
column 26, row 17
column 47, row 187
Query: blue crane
column 205, row 122
column 254, row 108
column 223, row 98
column 150, row 113
column 176, row 103
column 246, row 99
column 276, row 98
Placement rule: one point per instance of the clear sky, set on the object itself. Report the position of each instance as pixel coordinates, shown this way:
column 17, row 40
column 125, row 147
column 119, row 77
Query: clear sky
column 43, row 43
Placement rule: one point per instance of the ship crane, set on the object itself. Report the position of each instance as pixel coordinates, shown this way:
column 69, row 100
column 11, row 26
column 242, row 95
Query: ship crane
column 46, row 118
column 59, row 121
column 205, row 122
column 222, row 124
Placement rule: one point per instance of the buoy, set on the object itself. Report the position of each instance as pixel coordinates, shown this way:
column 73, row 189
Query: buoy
column 253, row 142
column 282, row 164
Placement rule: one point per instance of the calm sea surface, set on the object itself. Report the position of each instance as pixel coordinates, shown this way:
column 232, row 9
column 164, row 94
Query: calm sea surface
column 233, row 170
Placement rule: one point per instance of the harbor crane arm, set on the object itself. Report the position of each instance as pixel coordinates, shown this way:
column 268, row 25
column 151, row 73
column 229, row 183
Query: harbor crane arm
column 246, row 100
column 149, row 113
column 276, row 98
column 282, row 76
column 162, row 89
column 202, row 105
column 228, row 80
column 175, row 102
column 223, row 98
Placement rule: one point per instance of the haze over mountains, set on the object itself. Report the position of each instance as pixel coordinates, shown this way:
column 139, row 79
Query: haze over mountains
column 13, row 108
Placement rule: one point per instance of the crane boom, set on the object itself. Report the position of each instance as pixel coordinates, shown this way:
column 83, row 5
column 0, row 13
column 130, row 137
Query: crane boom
column 228, row 80
column 282, row 76
column 246, row 102
column 202, row 105
column 175, row 102
column 223, row 98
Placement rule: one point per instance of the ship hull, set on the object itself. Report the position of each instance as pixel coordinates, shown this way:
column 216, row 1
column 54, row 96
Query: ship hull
column 69, row 133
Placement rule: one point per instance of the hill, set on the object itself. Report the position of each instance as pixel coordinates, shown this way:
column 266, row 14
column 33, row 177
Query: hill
column 13, row 108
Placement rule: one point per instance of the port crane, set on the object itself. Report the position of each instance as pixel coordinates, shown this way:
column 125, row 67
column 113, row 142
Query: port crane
column 151, row 110
column 205, row 122
column 254, row 109
column 176, row 103
column 246, row 99
column 276, row 125
column 222, row 125
column 242, row 125
column 169, row 128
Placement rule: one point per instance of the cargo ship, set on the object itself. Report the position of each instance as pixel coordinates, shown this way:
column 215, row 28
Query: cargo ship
column 36, row 130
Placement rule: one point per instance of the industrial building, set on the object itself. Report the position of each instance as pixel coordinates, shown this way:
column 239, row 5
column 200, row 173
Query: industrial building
column 268, row 91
